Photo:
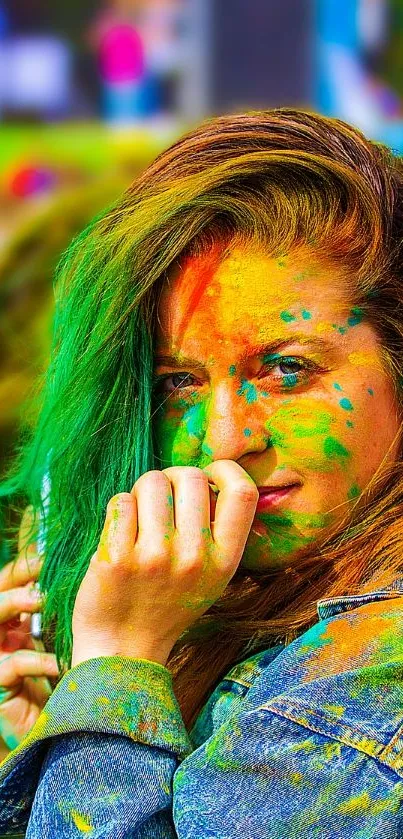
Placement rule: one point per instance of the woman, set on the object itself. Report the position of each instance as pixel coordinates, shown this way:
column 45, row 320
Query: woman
column 226, row 384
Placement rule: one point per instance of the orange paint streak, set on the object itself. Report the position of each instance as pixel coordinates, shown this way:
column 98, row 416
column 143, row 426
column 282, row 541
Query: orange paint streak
column 197, row 275
column 357, row 640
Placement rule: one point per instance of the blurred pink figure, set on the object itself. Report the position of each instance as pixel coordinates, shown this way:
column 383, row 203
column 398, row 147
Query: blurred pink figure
column 121, row 61
column 121, row 54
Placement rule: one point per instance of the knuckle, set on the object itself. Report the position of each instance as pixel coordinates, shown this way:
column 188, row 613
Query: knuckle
column 154, row 557
column 119, row 499
column 43, row 661
column 151, row 477
column 247, row 491
column 191, row 472
column 192, row 561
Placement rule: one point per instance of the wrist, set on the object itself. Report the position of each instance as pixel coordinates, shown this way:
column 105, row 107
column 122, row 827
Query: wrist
column 148, row 653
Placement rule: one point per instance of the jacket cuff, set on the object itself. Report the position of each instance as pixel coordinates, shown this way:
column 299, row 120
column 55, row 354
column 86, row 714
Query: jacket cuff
column 112, row 695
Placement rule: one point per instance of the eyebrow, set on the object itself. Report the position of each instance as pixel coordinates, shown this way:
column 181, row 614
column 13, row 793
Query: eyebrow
column 265, row 349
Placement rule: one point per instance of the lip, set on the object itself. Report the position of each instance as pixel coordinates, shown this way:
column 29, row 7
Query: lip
column 273, row 496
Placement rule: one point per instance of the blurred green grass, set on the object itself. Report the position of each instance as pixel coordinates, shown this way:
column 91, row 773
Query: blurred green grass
column 90, row 145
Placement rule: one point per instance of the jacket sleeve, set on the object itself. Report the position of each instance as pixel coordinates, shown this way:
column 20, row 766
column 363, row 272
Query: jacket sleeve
column 101, row 757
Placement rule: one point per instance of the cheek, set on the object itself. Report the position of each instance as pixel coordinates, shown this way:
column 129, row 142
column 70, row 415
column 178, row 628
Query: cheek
column 374, row 430
column 311, row 434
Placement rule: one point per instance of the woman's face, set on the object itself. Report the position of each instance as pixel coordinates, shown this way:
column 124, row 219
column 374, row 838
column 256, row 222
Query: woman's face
column 273, row 367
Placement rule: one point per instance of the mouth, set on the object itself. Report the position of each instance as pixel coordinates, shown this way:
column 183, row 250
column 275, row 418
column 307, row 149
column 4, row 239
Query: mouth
column 270, row 497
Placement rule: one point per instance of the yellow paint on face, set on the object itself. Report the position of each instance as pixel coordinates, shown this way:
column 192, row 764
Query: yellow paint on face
column 365, row 359
column 329, row 428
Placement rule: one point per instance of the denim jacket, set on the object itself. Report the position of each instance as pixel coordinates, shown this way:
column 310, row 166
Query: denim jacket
column 303, row 741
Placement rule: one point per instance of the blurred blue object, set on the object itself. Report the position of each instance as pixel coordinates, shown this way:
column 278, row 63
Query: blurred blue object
column 345, row 87
column 36, row 75
column 4, row 25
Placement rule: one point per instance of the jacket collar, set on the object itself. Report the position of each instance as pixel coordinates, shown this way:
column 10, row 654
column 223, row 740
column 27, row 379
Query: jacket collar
column 329, row 606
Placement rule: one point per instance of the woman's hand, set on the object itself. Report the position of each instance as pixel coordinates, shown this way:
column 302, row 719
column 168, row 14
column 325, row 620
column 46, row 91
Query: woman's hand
column 161, row 562
column 24, row 667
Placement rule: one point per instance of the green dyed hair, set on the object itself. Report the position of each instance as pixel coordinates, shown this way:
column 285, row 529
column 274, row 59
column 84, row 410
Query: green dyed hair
column 278, row 178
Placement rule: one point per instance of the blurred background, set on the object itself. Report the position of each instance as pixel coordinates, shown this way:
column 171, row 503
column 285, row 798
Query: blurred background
column 91, row 91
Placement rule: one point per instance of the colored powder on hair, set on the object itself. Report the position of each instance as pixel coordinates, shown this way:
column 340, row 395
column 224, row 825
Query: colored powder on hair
column 356, row 316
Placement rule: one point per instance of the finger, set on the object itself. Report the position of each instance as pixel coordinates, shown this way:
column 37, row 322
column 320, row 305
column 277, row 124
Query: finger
column 27, row 522
column 120, row 528
column 236, row 506
column 22, row 663
column 18, row 636
column 20, row 571
column 155, row 510
column 190, row 489
column 17, row 600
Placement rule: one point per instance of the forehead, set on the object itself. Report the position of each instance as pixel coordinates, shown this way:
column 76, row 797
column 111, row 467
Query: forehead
column 243, row 294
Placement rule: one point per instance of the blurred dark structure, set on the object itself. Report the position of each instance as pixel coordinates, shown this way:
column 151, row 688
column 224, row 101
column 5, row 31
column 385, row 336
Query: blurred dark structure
column 261, row 54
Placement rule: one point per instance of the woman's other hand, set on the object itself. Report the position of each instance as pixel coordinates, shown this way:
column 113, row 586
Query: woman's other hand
column 24, row 665
column 161, row 562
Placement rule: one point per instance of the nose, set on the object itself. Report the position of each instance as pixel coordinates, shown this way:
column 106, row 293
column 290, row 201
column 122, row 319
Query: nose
column 234, row 423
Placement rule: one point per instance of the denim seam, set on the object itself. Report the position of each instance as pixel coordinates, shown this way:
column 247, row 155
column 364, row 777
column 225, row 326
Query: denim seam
column 345, row 734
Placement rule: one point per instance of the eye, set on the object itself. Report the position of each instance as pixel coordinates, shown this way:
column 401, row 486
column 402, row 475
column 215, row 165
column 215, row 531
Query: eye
column 293, row 371
column 173, row 382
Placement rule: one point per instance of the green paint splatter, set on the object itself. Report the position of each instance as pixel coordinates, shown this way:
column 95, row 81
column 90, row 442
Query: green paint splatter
column 370, row 391
column 353, row 492
column 350, row 424
column 287, row 317
column 232, row 370
column 346, row 404
column 333, row 449
column 356, row 316
column 286, row 425
column 306, row 315
column 289, row 532
column 337, row 386
column 192, row 421
column 248, row 390
column 207, row 450
column 247, row 432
